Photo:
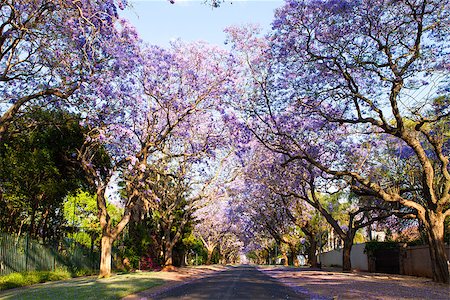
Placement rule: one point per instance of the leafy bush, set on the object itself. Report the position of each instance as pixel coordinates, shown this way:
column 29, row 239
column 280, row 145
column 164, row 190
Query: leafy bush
column 373, row 246
column 131, row 258
column 147, row 263
column 15, row 280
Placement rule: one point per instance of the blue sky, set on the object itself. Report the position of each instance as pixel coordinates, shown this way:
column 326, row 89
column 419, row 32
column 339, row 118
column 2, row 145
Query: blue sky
column 158, row 21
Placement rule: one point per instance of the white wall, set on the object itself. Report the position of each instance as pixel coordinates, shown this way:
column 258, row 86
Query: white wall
column 357, row 256
column 414, row 260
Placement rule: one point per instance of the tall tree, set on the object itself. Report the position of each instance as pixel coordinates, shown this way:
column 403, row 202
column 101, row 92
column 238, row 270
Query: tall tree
column 167, row 195
column 171, row 97
column 345, row 81
column 80, row 214
column 363, row 70
column 37, row 170
column 50, row 50
column 213, row 224
column 215, row 216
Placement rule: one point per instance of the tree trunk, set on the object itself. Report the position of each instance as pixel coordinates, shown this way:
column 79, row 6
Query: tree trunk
column 105, row 260
column 435, row 234
column 31, row 229
column 346, row 258
column 107, row 237
column 20, row 227
column 109, row 233
column 312, row 257
column 285, row 259
column 42, row 227
column 267, row 257
column 168, row 255
column 294, row 258
column 210, row 246
column 209, row 257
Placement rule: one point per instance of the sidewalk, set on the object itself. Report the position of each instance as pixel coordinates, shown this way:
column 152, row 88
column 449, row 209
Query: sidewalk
column 334, row 284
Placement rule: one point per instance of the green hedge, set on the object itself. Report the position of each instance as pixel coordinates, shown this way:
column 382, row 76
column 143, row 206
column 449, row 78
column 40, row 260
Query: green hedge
column 372, row 246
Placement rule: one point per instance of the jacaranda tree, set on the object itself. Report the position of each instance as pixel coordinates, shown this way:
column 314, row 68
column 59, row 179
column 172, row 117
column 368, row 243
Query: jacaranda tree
column 367, row 75
column 51, row 49
column 164, row 106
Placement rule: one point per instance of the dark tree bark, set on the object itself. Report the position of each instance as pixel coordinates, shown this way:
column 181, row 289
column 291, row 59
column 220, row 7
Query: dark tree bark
column 435, row 233
column 346, row 253
column 312, row 256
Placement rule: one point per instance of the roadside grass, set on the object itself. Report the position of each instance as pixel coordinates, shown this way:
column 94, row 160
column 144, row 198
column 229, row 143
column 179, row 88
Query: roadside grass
column 21, row 279
column 115, row 287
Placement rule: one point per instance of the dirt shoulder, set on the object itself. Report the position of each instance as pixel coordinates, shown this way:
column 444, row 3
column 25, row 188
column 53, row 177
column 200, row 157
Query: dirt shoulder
column 323, row 284
column 175, row 278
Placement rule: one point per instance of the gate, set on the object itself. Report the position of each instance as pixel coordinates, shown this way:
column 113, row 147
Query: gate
column 387, row 261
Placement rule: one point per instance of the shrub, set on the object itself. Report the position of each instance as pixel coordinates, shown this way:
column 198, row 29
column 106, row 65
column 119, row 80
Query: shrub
column 373, row 246
column 15, row 280
column 147, row 263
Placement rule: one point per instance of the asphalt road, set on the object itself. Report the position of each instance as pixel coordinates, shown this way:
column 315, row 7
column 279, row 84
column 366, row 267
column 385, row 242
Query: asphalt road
column 243, row 282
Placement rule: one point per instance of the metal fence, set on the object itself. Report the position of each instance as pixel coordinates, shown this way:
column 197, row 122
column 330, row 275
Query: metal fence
column 20, row 254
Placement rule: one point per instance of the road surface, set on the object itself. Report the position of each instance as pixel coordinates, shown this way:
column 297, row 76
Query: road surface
column 243, row 282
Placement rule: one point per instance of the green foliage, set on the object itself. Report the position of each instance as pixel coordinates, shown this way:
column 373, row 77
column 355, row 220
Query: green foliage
column 193, row 243
column 37, row 171
column 133, row 256
column 139, row 242
column 359, row 237
column 168, row 218
column 337, row 205
column 252, row 255
column 80, row 214
column 15, row 280
column 196, row 251
column 373, row 246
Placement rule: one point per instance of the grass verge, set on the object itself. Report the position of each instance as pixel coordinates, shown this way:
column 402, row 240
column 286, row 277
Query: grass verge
column 15, row 280
column 115, row 287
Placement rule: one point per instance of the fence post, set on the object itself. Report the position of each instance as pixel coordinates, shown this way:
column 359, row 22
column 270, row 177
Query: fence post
column 26, row 251
column 2, row 255
column 54, row 256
